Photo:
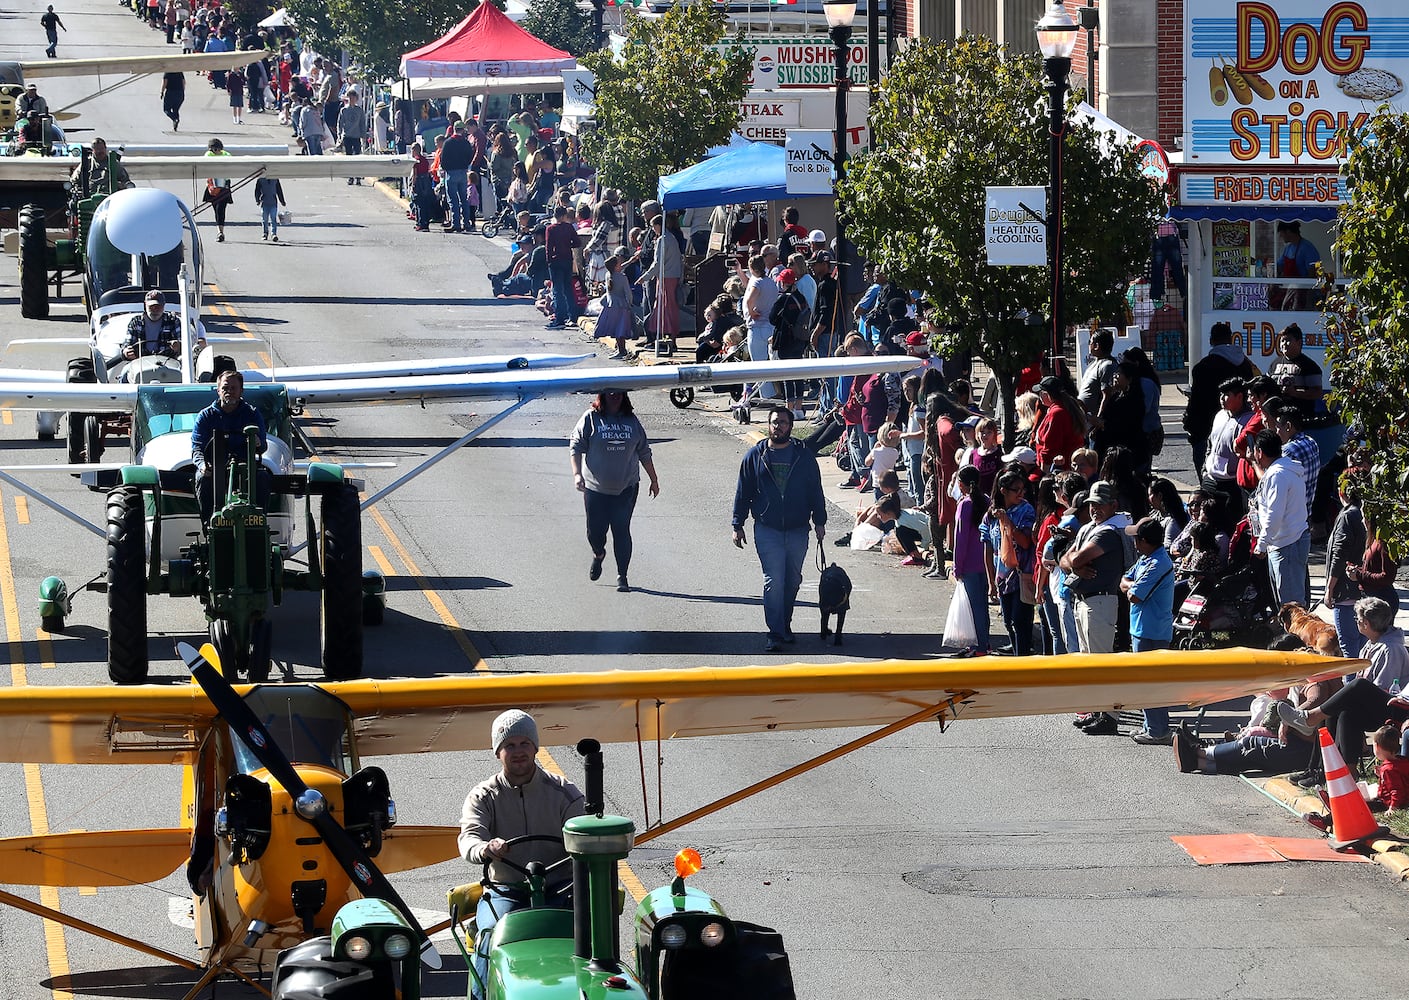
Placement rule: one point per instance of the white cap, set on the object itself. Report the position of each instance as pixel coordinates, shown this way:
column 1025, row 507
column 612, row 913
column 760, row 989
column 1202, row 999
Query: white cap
column 817, row 236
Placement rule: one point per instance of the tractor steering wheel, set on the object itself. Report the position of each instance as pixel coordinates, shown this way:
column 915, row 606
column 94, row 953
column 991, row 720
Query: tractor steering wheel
column 518, row 889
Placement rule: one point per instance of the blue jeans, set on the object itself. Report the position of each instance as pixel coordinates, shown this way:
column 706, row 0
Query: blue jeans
column 1287, row 568
column 781, row 554
column 607, row 511
column 457, row 192
column 1166, row 251
column 269, row 213
column 1054, row 642
column 1156, row 719
column 560, row 271
column 976, row 589
column 1347, row 634
column 1017, row 620
column 860, row 443
column 315, row 144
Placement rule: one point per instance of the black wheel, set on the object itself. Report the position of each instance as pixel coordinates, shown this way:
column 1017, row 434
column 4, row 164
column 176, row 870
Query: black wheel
column 341, row 618
column 682, row 396
column 92, row 439
column 127, row 586
column 34, row 264
column 261, row 641
column 489, row 229
column 73, row 438
column 234, row 656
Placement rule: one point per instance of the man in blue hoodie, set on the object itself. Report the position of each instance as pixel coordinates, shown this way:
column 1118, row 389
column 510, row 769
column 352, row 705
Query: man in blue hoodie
column 781, row 486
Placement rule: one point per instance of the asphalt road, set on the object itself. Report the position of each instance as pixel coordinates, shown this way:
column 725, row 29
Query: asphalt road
column 997, row 859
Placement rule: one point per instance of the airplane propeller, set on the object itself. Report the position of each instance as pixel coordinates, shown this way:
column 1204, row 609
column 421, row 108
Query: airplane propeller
column 309, row 803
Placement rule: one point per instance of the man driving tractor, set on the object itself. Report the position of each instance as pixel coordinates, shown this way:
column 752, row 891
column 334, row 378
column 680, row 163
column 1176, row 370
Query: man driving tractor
column 229, row 415
column 521, row 800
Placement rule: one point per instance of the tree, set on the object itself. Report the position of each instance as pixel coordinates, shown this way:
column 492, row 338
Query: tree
column 1369, row 320
column 376, row 33
column 674, row 93
column 562, row 24
column 950, row 118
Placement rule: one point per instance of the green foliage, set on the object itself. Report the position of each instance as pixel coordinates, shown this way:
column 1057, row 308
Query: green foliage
column 1369, row 322
column 377, row 33
column 562, row 24
column 950, row 118
column 670, row 98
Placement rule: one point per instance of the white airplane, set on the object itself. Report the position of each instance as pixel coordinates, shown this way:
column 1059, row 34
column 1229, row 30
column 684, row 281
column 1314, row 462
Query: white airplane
column 141, row 239
column 175, row 555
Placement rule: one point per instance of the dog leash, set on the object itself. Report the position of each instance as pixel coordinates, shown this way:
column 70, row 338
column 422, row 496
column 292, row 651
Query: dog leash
column 821, row 559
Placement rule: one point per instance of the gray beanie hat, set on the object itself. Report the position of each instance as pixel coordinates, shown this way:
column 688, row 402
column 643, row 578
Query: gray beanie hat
column 513, row 723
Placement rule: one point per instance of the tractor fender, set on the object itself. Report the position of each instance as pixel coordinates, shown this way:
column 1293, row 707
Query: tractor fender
column 144, row 476
column 324, row 474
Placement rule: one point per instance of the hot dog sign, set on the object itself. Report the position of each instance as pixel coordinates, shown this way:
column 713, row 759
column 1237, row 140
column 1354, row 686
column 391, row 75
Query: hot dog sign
column 1275, row 82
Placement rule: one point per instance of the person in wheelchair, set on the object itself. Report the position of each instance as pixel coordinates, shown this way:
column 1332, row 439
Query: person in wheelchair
column 226, row 420
column 521, row 800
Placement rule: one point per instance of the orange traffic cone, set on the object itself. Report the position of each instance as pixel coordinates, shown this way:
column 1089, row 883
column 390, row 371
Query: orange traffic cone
column 1351, row 821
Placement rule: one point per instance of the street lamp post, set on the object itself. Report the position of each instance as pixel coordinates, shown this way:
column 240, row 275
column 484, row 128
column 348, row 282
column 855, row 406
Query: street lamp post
column 1056, row 37
column 840, row 14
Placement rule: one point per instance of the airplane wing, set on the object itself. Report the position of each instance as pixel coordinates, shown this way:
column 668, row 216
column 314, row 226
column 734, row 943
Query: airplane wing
column 471, row 365
column 160, row 724
column 55, row 169
column 516, row 384
column 104, row 857
column 195, row 62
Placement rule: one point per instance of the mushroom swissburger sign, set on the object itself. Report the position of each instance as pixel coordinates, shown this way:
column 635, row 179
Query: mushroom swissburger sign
column 803, row 62
column 1274, row 83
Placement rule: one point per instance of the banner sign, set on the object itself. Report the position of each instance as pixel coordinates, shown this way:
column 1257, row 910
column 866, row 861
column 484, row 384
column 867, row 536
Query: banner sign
column 1252, row 186
column 768, row 121
column 809, row 153
column 579, row 91
column 791, row 63
column 1015, row 226
column 1272, row 83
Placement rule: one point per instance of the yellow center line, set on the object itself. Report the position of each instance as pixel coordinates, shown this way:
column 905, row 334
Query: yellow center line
column 7, row 417
column 54, row 944
column 22, row 509
column 379, row 557
column 437, row 605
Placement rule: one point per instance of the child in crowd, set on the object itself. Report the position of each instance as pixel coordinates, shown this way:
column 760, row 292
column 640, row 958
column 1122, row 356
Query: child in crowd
column 913, row 437
column 1086, row 464
column 1393, row 772
column 885, row 454
column 1202, row 559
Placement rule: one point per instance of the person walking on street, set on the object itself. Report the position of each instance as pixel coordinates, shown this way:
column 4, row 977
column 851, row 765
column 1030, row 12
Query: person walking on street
column 781, row 486
column 269, row 195
column 608, row 449
column 235, row 87
column 217, row 191
column 52, row 23
column 455, row 156
column 173, row 95
column 352, row 128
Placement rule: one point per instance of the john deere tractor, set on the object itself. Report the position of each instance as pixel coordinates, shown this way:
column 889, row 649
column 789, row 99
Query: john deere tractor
column 239, row 563
column 686, row 948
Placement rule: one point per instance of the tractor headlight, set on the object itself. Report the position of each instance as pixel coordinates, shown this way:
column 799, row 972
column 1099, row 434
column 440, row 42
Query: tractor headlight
column 357, row 948
column 712, row 935
column 397, row 946
column 673, row 936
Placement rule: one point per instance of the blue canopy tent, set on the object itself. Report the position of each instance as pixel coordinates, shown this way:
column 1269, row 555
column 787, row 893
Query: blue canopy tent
column 751, row 173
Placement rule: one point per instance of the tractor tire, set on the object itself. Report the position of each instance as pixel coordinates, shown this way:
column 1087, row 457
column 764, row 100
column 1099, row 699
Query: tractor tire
column 80, row 370
column 341, row 606
column 34, row 264
column 261, row 643
column 92, row 439
column 232, row 658
column 73, row 438
column 127, row 586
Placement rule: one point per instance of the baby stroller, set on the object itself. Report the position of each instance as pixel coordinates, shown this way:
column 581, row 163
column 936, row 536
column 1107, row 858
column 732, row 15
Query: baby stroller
column 683, row 396
column 1231, row 608
column 502, row 219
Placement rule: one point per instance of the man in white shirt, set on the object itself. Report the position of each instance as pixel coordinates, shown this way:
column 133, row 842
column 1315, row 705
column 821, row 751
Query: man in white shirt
column 1278, row 517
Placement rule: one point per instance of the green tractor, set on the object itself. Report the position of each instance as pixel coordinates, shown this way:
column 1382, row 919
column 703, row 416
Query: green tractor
column 686, row 947
column 238, row 564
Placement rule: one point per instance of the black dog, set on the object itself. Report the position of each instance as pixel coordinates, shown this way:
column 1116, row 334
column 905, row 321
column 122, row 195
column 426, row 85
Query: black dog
column 833, row 598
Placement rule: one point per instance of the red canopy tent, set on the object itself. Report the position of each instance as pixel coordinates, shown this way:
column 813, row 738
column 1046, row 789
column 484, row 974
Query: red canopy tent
column 486, row 52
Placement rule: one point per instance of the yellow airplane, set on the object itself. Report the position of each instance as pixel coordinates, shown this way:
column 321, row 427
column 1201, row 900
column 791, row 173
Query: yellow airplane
column 264, row 763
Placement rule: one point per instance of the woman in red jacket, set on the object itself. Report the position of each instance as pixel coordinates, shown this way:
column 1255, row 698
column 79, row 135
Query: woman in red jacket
column 1062, row 429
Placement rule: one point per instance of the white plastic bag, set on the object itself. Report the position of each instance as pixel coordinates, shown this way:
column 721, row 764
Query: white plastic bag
column 959, row 629
column 866, row 536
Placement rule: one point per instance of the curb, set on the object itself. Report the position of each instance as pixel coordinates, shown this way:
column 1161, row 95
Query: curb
column 1387, row 852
